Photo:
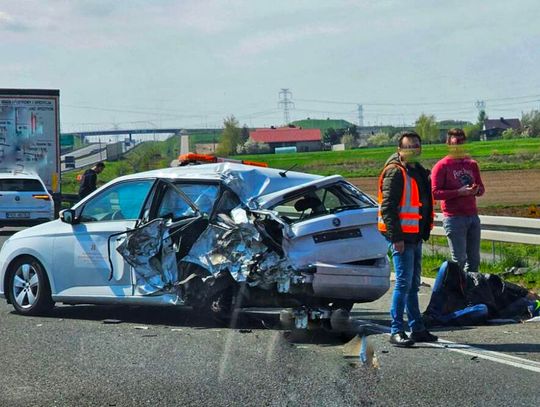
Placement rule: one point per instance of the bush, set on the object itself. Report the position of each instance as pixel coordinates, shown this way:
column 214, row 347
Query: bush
column 349, row 141
column 379, row 139
column 253, row 147
column 531, row 122
column 473, row 132
column 511, row 134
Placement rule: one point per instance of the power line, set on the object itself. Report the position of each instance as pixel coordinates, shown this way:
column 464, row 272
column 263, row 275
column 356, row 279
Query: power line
column 417, row 103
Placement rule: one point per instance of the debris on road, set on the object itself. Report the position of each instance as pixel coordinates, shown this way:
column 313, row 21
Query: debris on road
column 360, row 350
column 516, row 271
column 141, row 327
column 112, row 321
column 466, row 298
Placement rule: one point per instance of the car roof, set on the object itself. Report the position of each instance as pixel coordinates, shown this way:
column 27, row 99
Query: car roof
column 18, row 175
column 247, row 181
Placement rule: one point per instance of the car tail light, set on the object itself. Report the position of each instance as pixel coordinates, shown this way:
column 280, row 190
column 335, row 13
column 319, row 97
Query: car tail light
column 42, row 196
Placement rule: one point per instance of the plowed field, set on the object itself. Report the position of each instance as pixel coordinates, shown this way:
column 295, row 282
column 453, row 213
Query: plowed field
column 503, row 188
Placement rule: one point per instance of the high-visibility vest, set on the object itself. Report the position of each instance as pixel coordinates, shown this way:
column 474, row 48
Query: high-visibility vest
column 409, row 206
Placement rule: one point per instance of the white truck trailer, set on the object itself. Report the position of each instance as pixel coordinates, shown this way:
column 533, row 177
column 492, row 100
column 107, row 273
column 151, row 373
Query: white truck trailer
column 30, row 134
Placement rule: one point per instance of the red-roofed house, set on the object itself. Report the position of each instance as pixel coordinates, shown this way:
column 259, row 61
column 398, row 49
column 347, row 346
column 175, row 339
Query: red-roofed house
column 302, row 139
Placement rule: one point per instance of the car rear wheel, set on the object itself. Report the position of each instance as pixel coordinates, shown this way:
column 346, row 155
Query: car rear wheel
column 29, row 291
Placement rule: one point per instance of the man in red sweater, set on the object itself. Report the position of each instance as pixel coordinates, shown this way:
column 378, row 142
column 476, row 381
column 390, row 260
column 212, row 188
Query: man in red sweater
column 456, row 182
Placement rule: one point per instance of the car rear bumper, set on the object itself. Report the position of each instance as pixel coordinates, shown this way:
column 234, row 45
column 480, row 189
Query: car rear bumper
column 350, row 282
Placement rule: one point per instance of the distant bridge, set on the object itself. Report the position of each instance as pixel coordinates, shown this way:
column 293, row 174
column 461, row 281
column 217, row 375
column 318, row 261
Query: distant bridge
column 117, row 132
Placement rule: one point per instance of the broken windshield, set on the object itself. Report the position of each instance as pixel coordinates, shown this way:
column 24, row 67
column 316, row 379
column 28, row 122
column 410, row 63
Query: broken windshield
column 326, row 200
column 173, row 204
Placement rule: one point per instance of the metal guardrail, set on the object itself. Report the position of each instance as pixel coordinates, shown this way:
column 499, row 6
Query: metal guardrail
column 502, row 229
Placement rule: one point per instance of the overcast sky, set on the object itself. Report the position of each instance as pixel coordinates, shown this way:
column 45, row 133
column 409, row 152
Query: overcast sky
column 190, row 63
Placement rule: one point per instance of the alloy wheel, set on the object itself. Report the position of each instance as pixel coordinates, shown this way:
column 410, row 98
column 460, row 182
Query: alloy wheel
column 25, row 285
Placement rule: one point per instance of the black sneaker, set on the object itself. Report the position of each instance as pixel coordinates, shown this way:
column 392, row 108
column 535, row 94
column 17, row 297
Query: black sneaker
column 401, row 339
column 423, row 336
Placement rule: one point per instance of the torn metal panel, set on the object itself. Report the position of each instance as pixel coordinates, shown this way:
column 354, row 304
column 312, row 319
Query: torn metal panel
column 235, row 245
column 152, row 254
column 255, row 182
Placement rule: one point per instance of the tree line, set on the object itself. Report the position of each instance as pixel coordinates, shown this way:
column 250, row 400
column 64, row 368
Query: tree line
column 235, row 139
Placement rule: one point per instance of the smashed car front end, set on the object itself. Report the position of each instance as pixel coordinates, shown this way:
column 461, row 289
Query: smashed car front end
column 260, row 247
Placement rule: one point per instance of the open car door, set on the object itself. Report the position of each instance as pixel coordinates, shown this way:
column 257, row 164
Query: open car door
column 177, row 216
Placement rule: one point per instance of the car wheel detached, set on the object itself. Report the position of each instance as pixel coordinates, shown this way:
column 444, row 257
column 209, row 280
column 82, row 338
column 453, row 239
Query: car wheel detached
column 29, row 290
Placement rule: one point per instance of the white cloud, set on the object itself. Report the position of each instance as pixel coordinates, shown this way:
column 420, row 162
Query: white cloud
column 266, row 41
column 10, row 23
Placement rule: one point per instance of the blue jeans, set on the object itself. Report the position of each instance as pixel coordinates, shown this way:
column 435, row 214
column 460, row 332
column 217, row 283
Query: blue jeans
column 463, row 234
column 407, row 267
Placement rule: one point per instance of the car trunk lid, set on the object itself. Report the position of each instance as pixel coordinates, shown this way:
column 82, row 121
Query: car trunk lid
column 350, row 236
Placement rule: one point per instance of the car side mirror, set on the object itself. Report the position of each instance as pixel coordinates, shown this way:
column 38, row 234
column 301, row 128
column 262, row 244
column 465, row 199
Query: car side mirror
column 68, row 216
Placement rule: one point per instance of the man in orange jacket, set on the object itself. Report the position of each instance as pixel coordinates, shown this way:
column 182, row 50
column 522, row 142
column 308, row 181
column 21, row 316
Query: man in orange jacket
column 406, row 219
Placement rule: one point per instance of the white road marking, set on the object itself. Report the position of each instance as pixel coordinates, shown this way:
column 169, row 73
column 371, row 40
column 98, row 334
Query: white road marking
column 497, row 357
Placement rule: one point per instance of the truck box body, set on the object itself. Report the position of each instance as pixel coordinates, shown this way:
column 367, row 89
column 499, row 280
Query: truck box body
column 30, row 133
column 115, row 151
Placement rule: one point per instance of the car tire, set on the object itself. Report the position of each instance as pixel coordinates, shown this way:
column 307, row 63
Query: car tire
column 29, row 288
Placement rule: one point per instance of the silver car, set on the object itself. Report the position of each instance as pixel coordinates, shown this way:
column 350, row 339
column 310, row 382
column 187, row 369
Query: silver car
column 215, row 237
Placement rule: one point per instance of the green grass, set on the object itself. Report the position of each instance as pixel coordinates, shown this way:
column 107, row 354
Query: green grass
column 143, row 157
column 514, row 254
column 529, row 280
column 491, row 155
column 204, row 138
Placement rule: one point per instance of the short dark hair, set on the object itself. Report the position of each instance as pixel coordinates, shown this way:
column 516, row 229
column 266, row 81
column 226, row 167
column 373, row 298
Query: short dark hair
column 100, row 164
column 455, row 132
column 409, row 134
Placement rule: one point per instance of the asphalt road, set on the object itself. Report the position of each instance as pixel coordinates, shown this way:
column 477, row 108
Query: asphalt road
column 89, row 155
column 166, row 356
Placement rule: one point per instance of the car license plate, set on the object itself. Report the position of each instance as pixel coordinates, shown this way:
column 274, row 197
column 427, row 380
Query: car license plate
column 18, row 215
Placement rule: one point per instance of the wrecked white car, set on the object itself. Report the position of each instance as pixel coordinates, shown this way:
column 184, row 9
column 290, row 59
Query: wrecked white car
column 213, row 237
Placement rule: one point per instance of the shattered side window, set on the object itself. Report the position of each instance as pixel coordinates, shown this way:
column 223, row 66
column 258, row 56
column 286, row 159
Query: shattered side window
column 173, row 205
column 331, row 199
